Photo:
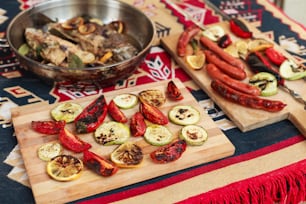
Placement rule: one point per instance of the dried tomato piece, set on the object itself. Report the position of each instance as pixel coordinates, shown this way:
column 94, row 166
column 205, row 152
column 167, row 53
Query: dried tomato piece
column 116, row 113
column 169, row 153
column 72, row 142
column 98, row 164
column 173, row 92
column 138, row 125
column 153, row 114
column 48, row 127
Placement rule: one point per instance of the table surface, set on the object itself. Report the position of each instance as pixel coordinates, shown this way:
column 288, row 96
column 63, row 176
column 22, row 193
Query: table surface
column 260, row 154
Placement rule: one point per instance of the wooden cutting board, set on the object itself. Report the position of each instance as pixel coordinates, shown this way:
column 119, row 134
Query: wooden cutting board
column 47, row 190
column 246, row 118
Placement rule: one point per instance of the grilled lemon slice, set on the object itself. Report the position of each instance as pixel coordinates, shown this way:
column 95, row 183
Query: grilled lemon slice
column 127, row 155
column 65, row 168
column 154, row 97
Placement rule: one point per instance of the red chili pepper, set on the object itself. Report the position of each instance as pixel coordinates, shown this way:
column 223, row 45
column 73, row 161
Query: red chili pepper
column 100, row 165
column 173, row 92
column 72, row 142
column 224, row 41
column 92, row 116
column 153, row 114
column 138, row 125
column 116, row 113
column 274, row 56
column 169, row 153
column 48, row 127
column 258, row 63
column 239, row 28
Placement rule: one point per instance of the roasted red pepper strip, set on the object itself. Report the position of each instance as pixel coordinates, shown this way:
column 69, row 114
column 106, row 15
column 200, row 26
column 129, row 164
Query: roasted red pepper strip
column 240, row 29
column 169, row 153
column 245, row 99
column 72, row 142
column 92, row 116
column 258, row 63
column 173, row 92
column 116, row 113
column 225, row 41
column 138, row 125
column 185, row 38
column 48, row 127
column 98, row 164
column 275, row 56
column 153, row 114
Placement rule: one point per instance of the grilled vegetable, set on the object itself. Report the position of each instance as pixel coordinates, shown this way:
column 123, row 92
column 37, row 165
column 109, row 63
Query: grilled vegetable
column 153, row 114
column 98, row 164
column 225, row 41
column 291, row 71
column 126, row 101
column 127, row 155
column 153, row 97
column 65, row 168
column 194, row 135
column 214, row 33
column 184, row 115
column 169, row 153
column 239, row 28
column 49, row 150
column 173, row 92
column 258, row 63
column 138, row 125
column 72, row 142
column 266, row 82
column 116, row 113
column 66, row 111
column 112, row 133
column 48, row 127
column 158, row 135
column 92, row 116
column 274, row 56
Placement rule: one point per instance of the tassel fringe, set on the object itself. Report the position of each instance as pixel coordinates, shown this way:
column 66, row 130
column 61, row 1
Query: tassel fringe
column 286, row 185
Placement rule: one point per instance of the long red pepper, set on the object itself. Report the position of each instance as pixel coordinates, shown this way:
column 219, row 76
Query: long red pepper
column 92, row 116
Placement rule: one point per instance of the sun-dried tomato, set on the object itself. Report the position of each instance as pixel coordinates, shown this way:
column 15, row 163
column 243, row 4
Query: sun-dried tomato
column 48, row 127
column 72, row 142
column 98, row 164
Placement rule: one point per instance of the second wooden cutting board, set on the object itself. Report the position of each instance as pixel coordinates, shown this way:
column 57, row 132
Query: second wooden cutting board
column 245, row 118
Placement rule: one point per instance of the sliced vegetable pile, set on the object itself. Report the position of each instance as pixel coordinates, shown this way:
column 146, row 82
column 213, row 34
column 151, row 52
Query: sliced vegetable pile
column 148, row 122
column 221, row 56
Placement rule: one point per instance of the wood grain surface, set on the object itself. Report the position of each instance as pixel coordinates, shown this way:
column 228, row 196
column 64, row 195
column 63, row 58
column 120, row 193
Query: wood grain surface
column 46, row 189
column 246, row 118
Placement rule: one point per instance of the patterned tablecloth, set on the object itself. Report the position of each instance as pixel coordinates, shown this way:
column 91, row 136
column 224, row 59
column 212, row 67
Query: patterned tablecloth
column 269, row 162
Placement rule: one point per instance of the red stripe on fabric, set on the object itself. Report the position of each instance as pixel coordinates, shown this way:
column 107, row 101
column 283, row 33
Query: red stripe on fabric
column 285, row 185
column 194, row 172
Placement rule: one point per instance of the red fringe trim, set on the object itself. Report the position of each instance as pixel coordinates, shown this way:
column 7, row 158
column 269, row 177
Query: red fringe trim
column 285, row 185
